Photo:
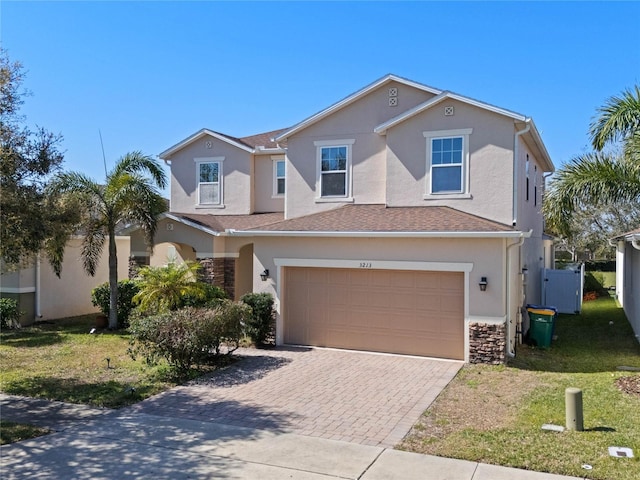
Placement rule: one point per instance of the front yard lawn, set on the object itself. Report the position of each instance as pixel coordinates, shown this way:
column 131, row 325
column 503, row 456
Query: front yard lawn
column 61, row 360
column 494, row 414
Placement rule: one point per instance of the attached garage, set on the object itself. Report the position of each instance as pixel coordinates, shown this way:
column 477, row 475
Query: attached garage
column 395, row 311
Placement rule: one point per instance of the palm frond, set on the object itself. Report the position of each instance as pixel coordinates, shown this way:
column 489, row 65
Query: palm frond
column 92, row 245
column 137, row 163
column 593, row 179
column 618, row 119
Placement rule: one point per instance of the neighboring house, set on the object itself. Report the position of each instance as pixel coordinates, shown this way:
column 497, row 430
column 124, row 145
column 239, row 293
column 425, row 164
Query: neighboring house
column 628, row 277
column 402, row 219
column 41, row 295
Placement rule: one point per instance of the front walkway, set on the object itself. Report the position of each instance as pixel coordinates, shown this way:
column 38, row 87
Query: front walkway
column 358, row 397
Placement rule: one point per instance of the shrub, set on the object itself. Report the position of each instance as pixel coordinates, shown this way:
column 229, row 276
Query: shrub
column 211, row 297
column 127, row 289
column 9, row 313
column 260, row 324
column 189, row 336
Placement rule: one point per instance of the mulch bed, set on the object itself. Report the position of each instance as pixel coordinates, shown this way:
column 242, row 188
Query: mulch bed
column 630, row 385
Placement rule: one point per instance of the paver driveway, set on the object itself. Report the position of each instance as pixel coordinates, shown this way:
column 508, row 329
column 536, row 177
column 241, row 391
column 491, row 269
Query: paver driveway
column 357, row 397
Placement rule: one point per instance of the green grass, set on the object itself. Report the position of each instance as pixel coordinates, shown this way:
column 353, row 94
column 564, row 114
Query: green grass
column 11, row 432
column 530, row 391
column 63, row 361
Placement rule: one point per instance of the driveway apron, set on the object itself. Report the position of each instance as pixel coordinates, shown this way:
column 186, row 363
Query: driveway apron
column 359, row 397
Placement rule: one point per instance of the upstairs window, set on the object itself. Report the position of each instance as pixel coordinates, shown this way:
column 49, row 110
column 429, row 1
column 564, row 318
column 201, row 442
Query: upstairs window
column 278, row 178
column 334, row 169
column 333, row 179
column 446, row 165
column 447, row 162
column 209, row 172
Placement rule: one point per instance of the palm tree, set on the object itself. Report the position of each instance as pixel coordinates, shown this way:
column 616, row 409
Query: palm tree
column 129, row 195
column 600, row 178
column 164, row 288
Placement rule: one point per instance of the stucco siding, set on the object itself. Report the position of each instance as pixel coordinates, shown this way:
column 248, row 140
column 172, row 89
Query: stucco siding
column 631, row 286
column 356, row 122
column 172, row 231
column 263, row 185
column 70, row 294
column 236, row 178
column 490, row 161
column 485, row 255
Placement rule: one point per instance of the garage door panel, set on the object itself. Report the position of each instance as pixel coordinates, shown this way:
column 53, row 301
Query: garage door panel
column 410, row 312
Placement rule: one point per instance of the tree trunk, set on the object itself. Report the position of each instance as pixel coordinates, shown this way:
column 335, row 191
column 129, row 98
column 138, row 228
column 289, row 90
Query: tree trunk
column 113, row 282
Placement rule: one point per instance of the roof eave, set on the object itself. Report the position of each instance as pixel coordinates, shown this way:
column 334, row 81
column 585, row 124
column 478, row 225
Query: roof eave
column 370, row 234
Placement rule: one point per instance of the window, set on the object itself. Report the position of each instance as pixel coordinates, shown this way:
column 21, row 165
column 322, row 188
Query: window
column 333, row 179
column 209, row 172
column 447, row 162
column 334, row 169
column 446, row 165
column 278, row 177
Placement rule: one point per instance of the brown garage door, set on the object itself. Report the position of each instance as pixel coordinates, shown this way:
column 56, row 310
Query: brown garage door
column 396, row 311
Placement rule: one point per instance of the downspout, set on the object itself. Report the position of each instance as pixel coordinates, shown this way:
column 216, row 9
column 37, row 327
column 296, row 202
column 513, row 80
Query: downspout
column 635, row 241
column 511, row 352
column 515, row 170
column 38, row 304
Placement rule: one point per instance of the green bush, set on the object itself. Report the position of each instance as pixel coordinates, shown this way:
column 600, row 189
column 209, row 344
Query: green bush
column 189, row 336
column 127, row 289
column 9, row 313
column 594, row 282
column 600, row 266
column 210, row 297
column 260, row 324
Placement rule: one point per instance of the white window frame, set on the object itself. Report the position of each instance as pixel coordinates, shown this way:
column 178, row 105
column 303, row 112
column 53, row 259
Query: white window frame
column 348, row 144
column 276, row 159
column 220, row 162
column 436, row 134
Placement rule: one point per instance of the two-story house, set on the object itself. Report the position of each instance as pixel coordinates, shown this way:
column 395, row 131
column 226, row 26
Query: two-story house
column 402, row 219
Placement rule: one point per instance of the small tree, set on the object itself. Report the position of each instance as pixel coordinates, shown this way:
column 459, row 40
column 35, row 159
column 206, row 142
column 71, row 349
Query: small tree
column 31, row 219
column 129, row 195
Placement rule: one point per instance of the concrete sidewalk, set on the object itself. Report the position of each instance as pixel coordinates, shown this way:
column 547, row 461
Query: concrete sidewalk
column 110, row 444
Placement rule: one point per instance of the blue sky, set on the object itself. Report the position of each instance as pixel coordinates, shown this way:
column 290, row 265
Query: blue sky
column 148, row 74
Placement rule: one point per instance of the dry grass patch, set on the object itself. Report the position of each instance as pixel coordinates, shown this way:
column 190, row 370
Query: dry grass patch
column 481, row 398
column 494, row 414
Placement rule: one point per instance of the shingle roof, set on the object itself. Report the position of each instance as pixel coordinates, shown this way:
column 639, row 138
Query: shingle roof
column 380, row 218
column 262, row 139
column 220, row 223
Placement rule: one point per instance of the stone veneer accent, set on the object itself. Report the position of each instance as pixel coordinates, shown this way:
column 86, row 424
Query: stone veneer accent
column 206, row 272
column 224, row 274
column 135, row 264
column 487, row 343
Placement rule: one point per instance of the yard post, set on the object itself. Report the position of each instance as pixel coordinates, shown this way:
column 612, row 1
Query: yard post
column 573, row 409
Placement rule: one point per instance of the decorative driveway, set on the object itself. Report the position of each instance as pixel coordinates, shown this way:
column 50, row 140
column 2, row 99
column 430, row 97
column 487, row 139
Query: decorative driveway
column 359, row 397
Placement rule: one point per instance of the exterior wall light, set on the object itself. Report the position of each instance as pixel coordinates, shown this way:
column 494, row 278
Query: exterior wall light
column 483, row 284
column 264, row 275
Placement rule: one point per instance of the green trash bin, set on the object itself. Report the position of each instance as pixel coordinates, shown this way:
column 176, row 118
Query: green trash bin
column 542, row 326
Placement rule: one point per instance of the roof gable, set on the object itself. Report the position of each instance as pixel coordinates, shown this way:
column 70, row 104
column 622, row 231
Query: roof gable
column 351, row 99
column 236, row 142
column 382, row 129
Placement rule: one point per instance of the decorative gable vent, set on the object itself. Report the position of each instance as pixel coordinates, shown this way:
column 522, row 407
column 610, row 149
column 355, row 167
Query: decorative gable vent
column 393, row 101
column 208, row 144
column 393, row 92
column 448, row 110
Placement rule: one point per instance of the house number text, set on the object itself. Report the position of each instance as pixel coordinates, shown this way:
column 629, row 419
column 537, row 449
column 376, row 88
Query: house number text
column 365, row 264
